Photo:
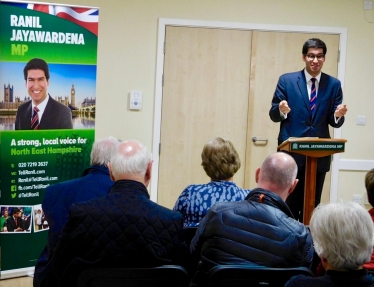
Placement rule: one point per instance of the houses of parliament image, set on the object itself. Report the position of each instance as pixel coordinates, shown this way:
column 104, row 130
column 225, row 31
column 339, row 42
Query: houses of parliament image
column 83, row 113
column 12, row 103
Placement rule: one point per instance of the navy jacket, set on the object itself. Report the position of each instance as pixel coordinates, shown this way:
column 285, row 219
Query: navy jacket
column 122, row 229
column 56, row 205
column 260, row 232
column 299, row 122
column 355, row 278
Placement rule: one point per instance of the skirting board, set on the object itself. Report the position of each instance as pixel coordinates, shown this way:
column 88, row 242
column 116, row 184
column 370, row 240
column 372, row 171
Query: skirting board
column 17, row 273
column 357, row 165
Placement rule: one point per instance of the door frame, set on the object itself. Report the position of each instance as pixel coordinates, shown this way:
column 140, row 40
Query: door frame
column 163, row 22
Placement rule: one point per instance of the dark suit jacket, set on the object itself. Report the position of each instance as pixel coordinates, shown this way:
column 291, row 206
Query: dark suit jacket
column 11, row 224
column 55, row 116
column 122, row 229
column 56, row 204
column 299, row 122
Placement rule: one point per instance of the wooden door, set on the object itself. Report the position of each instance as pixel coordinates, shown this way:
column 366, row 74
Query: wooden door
column 220, row 82
column 205, row 95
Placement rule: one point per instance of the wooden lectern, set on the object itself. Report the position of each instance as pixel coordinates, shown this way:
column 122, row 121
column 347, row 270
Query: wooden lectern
column 312, row 148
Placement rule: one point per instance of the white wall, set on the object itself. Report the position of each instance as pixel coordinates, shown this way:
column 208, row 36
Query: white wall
column 127, row 61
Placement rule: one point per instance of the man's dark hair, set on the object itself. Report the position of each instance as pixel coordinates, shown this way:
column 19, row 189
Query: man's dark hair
column 314, row 43
column 36, row 64
column 15, row 210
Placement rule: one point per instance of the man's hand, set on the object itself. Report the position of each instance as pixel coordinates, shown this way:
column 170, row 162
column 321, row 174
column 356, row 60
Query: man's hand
column 341, row 110
column 284, row 108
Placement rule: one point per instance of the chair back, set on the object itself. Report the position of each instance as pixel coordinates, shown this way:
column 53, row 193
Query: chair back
column 189, row 233
column 248, row 276
column 166, row 276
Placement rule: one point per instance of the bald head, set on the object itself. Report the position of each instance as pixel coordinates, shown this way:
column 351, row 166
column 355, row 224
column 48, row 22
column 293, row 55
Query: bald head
column 131, row 160
column 278, row 174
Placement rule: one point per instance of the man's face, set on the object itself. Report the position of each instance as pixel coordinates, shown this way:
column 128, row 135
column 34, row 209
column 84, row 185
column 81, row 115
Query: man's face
column 313, row 65
column 37, row 85
column 18, row 214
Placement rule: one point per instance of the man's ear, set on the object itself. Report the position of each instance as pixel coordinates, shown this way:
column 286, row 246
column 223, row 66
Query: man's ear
column 303, row 57
column 148, row 173
column 110, row 172
column 324, row 262
column 257, row 174
column 293, row 186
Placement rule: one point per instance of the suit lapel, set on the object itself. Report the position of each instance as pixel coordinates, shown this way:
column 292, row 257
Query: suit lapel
column 27, row 116
column 301, row 82
column 47, row 114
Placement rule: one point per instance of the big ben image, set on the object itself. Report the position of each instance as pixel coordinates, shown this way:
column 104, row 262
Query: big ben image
column 72, row 96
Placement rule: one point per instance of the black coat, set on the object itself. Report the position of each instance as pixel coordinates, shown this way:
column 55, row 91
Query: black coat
column 122, row 229
column 252, row 232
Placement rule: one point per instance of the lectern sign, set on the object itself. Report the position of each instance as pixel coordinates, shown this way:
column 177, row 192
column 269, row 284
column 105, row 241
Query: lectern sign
column 312, row 148
column 317, row 146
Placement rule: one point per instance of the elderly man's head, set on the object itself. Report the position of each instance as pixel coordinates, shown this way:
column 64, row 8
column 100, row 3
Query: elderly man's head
column 102, row 150
column 342, row 235
column 278, row 174
column 131, row 160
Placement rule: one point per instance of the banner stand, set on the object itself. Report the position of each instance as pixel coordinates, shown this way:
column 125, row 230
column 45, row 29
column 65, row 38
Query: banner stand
column 62, row 41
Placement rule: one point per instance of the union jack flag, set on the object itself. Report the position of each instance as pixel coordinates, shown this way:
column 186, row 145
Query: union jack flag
column 88, row 18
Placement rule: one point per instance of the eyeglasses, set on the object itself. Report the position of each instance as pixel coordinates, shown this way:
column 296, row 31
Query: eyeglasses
column 319, row 57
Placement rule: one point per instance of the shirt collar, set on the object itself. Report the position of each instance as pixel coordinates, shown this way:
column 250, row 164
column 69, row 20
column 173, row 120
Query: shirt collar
column 308, row 76
column 42, row 105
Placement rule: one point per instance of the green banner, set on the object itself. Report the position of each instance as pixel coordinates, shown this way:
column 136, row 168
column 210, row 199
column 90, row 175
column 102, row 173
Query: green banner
column 65, row 37
column 27, row 34
column 30, row 162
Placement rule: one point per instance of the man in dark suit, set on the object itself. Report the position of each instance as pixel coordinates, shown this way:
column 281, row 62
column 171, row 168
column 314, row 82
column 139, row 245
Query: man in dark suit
column 42, row 111
column 15, row 222
column 299, row 117
column 122, row 229
column 59, row 197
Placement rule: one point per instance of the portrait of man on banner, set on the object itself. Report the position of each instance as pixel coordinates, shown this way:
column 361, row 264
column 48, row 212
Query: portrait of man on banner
column 46, row 113
column 52, row 49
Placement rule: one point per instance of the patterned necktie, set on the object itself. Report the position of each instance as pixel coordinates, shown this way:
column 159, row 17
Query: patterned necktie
column 313, row 96
column 35, row 119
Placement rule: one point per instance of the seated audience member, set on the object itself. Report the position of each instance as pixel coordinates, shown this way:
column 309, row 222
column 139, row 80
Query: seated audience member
column 26, row 222
column 220, row 162
column 343, row 239
column 369, row 184
column 59, row 197
column 38, row 219
column 259, row 231
column 3, row 220
column 122, row 229
column 15, row 222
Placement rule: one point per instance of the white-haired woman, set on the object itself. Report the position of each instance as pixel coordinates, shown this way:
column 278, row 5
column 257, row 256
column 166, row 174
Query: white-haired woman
column 343, row 238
